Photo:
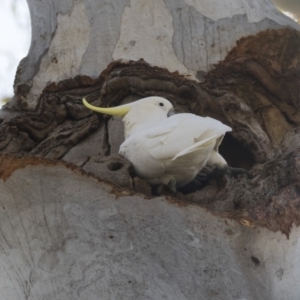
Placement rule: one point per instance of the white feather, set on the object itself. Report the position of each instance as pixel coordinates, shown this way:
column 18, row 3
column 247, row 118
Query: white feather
column 162, row 148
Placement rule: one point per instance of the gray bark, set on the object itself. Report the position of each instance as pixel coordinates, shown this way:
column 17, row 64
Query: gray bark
column 68, row 235
column 82, row 37
column 76, row 223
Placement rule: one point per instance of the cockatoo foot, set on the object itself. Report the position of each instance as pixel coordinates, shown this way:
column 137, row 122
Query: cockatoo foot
column 172, row 185
column 208, row 173
column 201, row 178
column 229, row 171
column 197, row 184
column 156, row 190
column 234, row 172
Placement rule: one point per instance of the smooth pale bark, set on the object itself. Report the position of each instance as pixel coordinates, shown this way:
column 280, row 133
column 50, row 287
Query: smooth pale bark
column 66, row 234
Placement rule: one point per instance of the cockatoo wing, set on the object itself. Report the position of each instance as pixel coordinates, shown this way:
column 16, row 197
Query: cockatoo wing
column 218, row 143
column 152, row 150
column 182, row 134
column 197, row 147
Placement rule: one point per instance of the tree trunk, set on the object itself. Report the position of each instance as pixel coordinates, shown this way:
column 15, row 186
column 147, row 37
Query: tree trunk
column 75, row 223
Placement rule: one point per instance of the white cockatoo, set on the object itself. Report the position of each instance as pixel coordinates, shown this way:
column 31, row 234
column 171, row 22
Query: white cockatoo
column 164, row 149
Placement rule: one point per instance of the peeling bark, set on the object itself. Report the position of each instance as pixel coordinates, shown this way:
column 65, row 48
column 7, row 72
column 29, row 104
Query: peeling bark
column 255, row 90
column 74, row 218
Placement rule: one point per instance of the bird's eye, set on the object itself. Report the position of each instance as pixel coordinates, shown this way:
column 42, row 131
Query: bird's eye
column 161, row 104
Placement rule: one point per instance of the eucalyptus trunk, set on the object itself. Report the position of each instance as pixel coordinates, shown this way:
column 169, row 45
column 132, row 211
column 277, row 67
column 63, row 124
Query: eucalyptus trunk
column 75, row 221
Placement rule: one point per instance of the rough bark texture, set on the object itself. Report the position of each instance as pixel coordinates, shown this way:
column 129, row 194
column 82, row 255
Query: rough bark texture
column 253, row 90
column 240, row 65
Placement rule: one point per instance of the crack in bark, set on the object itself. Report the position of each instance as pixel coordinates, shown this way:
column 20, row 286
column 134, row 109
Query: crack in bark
column 106, row 138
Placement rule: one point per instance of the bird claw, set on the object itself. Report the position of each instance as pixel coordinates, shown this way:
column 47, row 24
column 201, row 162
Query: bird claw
column 209, row 172
column 172, row 185
column 195, row 185
column 156, row 190
column 234, row 172
column 229, row 171
column 201, row 177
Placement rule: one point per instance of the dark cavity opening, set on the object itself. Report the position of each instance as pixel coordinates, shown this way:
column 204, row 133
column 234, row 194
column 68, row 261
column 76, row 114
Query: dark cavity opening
column 236, row 155
column 255, row 260
column 115, row 166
